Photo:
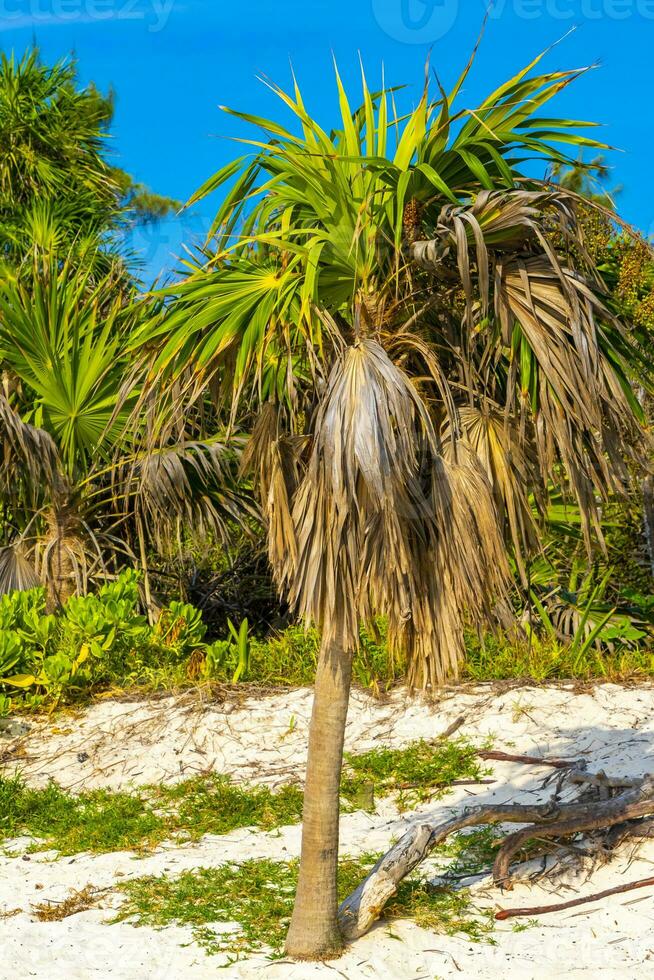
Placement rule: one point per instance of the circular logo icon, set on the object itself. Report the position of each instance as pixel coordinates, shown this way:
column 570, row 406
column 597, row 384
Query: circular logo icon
column 415, row 21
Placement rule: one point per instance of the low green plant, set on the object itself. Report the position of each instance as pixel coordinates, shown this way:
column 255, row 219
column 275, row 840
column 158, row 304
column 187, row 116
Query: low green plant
column 95, row 640
column 102, row 640
column 104, row 820
column 258, row 895
column 420, row 771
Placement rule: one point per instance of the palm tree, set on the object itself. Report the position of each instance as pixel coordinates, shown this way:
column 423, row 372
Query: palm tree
column 403, row 305
column 587, row 180
column 56, row 182
column 84, row 487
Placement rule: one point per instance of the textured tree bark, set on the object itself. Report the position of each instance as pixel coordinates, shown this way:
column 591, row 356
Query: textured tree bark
column 314, row 933
column 648, row 518
column 61, row 577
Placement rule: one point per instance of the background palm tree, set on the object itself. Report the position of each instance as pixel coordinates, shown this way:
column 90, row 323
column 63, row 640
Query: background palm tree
column 432, row 348
column 83, row 487
column 57, row 184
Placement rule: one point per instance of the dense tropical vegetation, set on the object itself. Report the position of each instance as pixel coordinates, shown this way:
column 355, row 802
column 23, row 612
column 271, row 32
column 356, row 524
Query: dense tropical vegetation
column 411, row 372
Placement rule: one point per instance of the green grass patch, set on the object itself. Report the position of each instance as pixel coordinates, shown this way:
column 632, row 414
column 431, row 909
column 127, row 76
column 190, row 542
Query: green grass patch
column 420, row 771
column 103, row 820
column 214, row 805
column 290, row 658
column 99, row 820
column 258, row 895
column 499, row 658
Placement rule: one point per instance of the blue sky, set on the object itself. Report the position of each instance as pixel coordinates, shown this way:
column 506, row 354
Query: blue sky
column 173, row 62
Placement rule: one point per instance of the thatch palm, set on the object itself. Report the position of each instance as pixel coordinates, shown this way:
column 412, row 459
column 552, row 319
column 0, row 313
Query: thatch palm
column 405, row 307
column 57, row 187
column 83, row 486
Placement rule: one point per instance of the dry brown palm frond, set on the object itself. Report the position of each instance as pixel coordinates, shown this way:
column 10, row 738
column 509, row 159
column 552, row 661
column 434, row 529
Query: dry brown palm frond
column 255, row 458
column 276, row 461
column 469, row 577
column 381, row 524
column 583, row 416
column 573, row 388
column 404, row 345
column 27, row 451
column 511, row 465
column 558, row 314
column 185, row 486
column 495, row 223
column 17, row 573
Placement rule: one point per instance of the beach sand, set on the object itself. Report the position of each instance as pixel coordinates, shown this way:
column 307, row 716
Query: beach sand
column 124, row 744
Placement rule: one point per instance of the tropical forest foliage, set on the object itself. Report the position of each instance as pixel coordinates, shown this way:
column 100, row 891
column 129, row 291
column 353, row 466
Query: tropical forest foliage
column 480, row 334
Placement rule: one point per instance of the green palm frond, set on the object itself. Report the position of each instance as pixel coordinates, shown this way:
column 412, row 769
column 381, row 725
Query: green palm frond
column 65, row 344
column 317, row 218
column 432, row 339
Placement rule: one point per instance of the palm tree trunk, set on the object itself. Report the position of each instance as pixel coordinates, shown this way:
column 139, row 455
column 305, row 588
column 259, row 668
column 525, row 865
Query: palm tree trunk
column 648, row 518
column 61, row 572
column 314, row 932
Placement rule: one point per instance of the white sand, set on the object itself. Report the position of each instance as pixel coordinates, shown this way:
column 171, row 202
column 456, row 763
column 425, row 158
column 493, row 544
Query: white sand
column 123, row 744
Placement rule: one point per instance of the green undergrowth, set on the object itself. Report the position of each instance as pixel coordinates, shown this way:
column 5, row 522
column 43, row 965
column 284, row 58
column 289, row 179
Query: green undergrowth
column 102, row 642
column 289, row 659
column 500, row 658
column 103, row 820
column 102, row 645
column 258, row 897
column 420, row 771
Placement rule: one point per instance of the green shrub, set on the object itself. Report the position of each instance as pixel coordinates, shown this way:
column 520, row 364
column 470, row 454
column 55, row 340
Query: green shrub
column 99, row 641
column 95, row 640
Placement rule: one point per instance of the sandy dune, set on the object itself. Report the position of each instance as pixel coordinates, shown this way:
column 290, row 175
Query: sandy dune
column 119, row 744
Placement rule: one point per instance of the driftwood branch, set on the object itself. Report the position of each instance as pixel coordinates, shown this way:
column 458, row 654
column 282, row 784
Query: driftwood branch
column 560, row 906
column 532, row 760
column 594, row 809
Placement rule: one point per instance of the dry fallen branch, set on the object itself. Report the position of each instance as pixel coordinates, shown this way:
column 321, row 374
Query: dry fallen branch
column 602, row 804
column 560, row 906
column 451, row 729
column 533, row 760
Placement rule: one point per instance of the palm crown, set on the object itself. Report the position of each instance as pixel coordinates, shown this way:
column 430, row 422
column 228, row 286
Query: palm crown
column 398, row 280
